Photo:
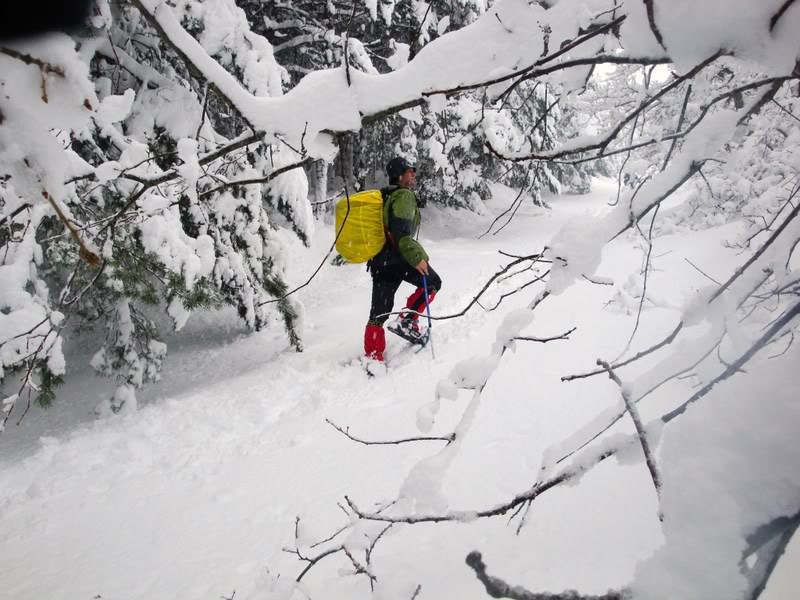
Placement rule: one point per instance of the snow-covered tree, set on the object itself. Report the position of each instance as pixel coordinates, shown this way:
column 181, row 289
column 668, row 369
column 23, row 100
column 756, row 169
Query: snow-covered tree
column 138, row 157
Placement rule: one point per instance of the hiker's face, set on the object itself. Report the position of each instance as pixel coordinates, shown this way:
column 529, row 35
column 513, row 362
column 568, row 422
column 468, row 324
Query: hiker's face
column 408, row 179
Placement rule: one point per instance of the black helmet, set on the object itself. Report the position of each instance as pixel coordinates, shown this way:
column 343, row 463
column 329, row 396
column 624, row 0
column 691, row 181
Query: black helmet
column 397, row 166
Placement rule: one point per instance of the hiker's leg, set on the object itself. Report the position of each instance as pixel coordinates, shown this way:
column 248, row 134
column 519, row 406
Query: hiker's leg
column 384, row 286
column 385, row 281
column 416, row 301
column 374, row 341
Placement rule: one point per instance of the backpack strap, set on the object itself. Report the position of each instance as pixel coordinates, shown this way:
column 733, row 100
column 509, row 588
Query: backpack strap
column 386, row 194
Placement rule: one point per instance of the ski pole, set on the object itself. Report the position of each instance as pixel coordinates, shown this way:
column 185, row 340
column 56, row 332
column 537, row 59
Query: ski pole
column 428, row 310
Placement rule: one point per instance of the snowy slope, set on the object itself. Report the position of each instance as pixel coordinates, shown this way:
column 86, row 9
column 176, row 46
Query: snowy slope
column 196, row 494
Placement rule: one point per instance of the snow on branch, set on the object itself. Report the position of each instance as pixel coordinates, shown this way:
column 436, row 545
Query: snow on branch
column 630, row 406
column 325, row 102
column 497, row 588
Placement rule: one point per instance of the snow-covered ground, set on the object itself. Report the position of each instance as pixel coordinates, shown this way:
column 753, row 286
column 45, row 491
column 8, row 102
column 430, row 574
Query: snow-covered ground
column 195, row 495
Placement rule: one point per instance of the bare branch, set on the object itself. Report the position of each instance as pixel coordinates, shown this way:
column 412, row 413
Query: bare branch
column 777, row 16
column 497, row 588
column 651, row 19
column 757, row 254
column 45, row 67
column 736, row 365
column 517, row 199
column 554, row 155
column 601, row 144
column 678, row 127
column 649, row 240
column 266, row 179
column 360, row 569
column 701, row 271
column 86, row 253
column 637, row 422
column 768, row 543
column 667, row 340
column 563, row 336
column 786, row 110
column 15, row 212
column 316, row 559
column 447, row 438
column 769, row 95
column 519, row 289
column 530, row 258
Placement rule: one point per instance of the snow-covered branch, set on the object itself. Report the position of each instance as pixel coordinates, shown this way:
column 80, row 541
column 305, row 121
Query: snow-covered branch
column 497, row 588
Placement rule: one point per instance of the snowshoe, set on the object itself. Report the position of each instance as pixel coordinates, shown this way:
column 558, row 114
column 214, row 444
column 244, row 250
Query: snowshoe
column 409, row 330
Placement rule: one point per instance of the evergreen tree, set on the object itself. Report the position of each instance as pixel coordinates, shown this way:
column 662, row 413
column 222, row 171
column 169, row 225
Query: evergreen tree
column 160, row 224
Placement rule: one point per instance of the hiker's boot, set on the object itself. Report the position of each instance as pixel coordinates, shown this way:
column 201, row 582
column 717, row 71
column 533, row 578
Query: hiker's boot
column 374, row 342
column 408, row 327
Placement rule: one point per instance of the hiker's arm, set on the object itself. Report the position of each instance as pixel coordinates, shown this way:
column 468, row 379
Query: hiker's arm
column 401, row 226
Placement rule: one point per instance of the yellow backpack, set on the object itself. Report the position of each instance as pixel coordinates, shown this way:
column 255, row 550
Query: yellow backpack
column 359, row 224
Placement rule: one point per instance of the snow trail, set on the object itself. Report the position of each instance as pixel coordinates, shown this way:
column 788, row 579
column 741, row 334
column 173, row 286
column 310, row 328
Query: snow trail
column 195, row 494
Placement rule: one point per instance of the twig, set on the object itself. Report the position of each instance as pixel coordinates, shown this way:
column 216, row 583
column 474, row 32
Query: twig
column 777, row 16
column 506, row 211
column 701, row 271
column 497, row 588
column 736, row 365
column 756, row 255
column 651, row 19
column 786, row 110
column 30, row 60
column 667, row 340
column 606, row 140
column 265, row 179
column 15, row 212
column 678, row 127
column 563, row 336
column 649, row 240
column 778, row 532
column 519, row 289
column 637, row 422
column 789, row 345
column 85, row 252
column 595, row 282
column 475, row 300
column 316, row 559
column 447, row 438
column 360, row 569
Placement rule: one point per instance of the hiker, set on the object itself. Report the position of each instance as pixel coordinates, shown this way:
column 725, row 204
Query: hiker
column 402, row 258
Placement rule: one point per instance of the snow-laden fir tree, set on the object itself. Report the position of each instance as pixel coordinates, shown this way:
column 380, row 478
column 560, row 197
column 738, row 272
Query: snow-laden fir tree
column 445, row 139
column 136, row 153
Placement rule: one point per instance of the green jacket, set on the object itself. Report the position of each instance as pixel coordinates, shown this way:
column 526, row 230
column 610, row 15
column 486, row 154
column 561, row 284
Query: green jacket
column 401, row 220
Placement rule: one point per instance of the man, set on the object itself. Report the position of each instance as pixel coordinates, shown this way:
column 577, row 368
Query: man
column 402, row 258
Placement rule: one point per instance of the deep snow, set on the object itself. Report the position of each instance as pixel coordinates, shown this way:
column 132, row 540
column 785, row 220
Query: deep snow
column 195, row 495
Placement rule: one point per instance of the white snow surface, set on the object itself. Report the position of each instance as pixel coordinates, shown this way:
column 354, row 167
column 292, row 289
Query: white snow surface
column 195, row 494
